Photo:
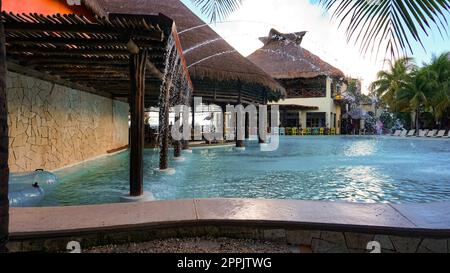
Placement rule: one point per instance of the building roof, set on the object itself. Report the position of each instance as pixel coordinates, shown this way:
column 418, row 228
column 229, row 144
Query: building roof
column 208, row 56
column 92, row 54
column 283, row 57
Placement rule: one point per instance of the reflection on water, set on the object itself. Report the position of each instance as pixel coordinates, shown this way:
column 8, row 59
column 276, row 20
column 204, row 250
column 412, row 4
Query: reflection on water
column 360, row 148
column 309, row 168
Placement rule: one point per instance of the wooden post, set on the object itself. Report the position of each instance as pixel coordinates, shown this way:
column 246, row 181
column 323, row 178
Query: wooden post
column 239, row 143
column 4, row 142
column 177, row 143
column 164, row 111
column 185, row 142
column 224, row 122
column 247, row 125
column 137, row 93
column 260, row 139
column 193, row 121
column 164, row 127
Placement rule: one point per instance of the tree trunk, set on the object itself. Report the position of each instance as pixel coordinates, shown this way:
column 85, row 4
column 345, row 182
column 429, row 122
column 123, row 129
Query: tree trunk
column 417, row 121
column 4, row 170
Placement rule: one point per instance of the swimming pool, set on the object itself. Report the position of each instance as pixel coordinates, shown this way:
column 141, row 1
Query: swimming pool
column 341, row 168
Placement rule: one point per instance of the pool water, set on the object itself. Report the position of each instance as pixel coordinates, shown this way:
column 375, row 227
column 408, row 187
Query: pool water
column 356, row 169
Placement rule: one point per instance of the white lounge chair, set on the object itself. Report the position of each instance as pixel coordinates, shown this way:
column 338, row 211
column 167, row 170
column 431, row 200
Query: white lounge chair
column 441, row 133
column 432, row 133
column 423, row 133
column 404, row 133
column 411, row 133
column 397, row 133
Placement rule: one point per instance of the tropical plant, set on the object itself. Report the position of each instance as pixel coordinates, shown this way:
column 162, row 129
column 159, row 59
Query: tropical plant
column 390, row 81
column 217, row 10
column 369, row 22
column 4, row 171
column 413, row 95
column 439, row 70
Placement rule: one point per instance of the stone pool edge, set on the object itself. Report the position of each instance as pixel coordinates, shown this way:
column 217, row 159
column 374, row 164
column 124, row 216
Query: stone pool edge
column 327, row 222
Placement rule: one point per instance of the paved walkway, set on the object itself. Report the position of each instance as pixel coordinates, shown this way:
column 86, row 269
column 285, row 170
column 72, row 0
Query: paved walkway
column 419, row 218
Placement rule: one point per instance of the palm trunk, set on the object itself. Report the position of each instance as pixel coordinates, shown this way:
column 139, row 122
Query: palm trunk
column 4, row 170
column 417, row 121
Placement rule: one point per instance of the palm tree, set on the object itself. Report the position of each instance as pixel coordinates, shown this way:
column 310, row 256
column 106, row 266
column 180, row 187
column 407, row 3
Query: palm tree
column 413, row 95
column 4, row 171
column 369, row 22
column 390, row 81
column 439, row 69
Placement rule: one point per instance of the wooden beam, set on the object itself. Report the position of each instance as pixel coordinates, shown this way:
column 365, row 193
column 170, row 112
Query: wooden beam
column 156, row 35
column 81, row 60
column 133, row 47
column 137, row 81
column 82, row 42
column 67, row 51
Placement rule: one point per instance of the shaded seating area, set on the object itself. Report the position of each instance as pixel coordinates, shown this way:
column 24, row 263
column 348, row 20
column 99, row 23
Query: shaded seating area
column 132, row 58
column 220, row 75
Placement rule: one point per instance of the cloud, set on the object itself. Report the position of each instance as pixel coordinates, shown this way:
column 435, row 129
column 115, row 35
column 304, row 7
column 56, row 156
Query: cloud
column 255, row 18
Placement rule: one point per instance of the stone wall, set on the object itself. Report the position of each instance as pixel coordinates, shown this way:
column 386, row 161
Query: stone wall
column 298, row 240
column 52, row 126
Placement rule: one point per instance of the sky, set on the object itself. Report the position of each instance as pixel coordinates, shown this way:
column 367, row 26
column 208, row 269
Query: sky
column 324, row 38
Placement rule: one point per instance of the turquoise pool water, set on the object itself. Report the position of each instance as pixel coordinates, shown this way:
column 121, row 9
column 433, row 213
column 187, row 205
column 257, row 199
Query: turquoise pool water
column 357, row 169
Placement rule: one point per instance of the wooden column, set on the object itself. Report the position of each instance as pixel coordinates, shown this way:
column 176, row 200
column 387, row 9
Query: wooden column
column 193, row 121
column 185, row 142
column 239, row 143
column 224, row 122
column 164, row 128
column 177, row 143
column 137, row 93
column 247, row 125
column 164, row 108
column 4, row 169
column 261, row 140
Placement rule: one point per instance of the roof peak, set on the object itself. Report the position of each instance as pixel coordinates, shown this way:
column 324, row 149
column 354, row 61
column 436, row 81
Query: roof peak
column 275, row 35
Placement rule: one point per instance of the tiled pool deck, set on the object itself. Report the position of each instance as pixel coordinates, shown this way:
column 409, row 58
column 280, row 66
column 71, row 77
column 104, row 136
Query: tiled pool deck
column 325, row 226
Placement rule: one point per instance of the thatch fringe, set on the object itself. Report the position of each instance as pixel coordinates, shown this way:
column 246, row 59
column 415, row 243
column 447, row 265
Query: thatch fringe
column 202, row 72
column 230, row 66
column 283, row 57
column 95, row 7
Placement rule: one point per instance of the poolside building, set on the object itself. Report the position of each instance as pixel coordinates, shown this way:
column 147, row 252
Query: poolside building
column 313, row 87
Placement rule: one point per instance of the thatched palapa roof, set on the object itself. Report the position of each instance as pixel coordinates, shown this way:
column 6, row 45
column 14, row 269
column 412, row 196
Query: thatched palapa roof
column 282, row 57
column 208, row 56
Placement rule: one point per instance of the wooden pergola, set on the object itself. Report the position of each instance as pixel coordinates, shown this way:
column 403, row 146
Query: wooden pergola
column 134, row 58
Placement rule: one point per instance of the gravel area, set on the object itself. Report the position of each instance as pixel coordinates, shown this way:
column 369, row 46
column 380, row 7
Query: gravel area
column 197, row 245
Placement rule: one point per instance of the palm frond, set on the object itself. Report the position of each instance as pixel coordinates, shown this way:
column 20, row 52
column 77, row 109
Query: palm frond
column 395, row 22
column 217, row 10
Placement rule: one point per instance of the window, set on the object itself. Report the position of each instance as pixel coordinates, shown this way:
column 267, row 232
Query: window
column 315, row 120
